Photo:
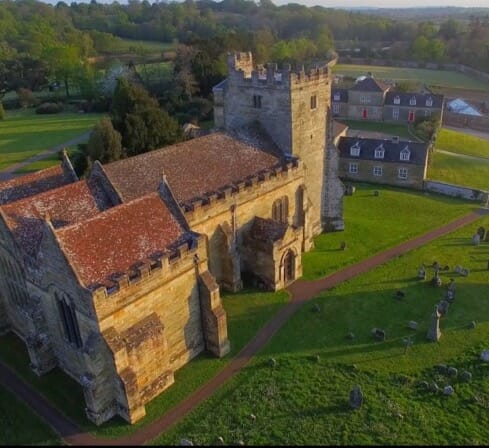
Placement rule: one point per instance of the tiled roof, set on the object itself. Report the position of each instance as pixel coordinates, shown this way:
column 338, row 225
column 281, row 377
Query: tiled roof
column 422, row 99
column 338, row 128
column 192, row 168
column 31, row 184
column 267, row 230
column 370, row 84
column 64, row 206
column 114, row 241
column 391, row 150
column 339, row 95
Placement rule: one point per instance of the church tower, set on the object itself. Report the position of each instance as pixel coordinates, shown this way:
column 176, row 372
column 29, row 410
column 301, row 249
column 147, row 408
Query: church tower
column 292, row 106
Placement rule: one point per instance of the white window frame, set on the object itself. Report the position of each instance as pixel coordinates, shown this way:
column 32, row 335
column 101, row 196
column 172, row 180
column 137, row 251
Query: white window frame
column 429, row 102
column 379, row 152
column 336, row 108
column 355, row 150
column 395, row 113
column 427, row 113
column 412, row 101
column 397, row 99
column 353, row 168
column 378, row 171
column 405, row 155
column 403, row 173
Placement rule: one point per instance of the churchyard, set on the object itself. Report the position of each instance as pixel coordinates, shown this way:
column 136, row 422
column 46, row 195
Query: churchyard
column 309, row 394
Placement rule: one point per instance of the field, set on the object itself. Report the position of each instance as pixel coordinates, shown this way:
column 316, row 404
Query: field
column 249, row 310
column 392, row 129
column 24, row 134
column 458, row 142
column 303, row 400
column 449, row 79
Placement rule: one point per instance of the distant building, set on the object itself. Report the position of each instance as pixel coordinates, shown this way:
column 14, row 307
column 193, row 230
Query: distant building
column 460, row 106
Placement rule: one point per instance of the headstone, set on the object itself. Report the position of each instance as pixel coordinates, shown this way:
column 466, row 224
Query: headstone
column 376, row 192
column 436, row 266
column 450, row 294
column 400, row 295
column 220, row 439
column 443, row 307
column 434, row 332
column 448, row 390
column 422, row 272
column 343, row 245
column 465, row 272
column 458, row 269
column 272, row 362
column 472, row 324
column 349, row 190
column 252, row 417
column 452, row 372
column 436, row 280
column 186, row 442
column 316, row 308
column 485, row 355
column 378, row 334
column 350, row 336
column 434, row 387
column 481, row 231
column 413, row 325
column 476, row 239
column 441, row 369
column 466, row 376
column 356, row 397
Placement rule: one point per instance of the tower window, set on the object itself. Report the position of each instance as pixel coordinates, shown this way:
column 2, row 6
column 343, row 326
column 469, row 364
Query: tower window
column 314, row 101
column 257, row 101
column 280, row 210
column 70, row 323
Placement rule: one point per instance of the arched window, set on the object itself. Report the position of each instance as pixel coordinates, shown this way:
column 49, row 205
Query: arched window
column 280, row 209
column 69, row 321
column 14, row 282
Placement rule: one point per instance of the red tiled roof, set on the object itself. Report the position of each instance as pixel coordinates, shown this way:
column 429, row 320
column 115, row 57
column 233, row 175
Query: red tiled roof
column 370, row 84
column 338, row 128
column 118, row 238
column 34, row 183
column 192, row 168
column 66, row 205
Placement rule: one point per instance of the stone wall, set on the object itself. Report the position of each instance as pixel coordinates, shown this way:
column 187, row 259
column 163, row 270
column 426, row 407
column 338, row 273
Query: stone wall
column 456, row 191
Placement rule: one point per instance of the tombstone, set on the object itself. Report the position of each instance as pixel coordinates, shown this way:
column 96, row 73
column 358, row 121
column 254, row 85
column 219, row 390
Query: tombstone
column 485, row 355
column 378, row 334
column 441, row 369
column 407, row 343
column 186, row 442
column 376, row 193
column 343, row 245
column 400, row 294
column 434, row 332
column 436, row 280
column 356, row 397
column 466, row 376
column 452, row 372
column 422, row 272
column 316, row 308
column 465, row 272
column 482, row 232
column 349, row 190
column 350, row 336
column 476, row 239
column 220, row 439
column 450, row 294
column 445, row 268
column 448, row 390
column 434, row 387
column 458, row 269
column 443, row 307
column 272, row 362
column 472, row 324
column 413, row 325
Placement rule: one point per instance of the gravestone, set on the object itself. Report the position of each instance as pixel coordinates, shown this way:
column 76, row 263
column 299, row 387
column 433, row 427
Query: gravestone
column 450, row 294
column 436, row 280
column 376, row 193
column 349, row 190
column 466, row 376
column 481, row 231
column 413, row 324
column 434, row 332
column 443, row 307
column 378, row 334
column 476, row 239
column 422, row 272
column 458, row 269
column 343, row 245
column 448, row 390
column 356, row 397
column 465, row 272
column 485, row 355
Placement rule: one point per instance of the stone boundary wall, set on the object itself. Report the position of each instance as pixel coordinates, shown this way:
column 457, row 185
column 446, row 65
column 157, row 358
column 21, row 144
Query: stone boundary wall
column 466, row 121
column 456, row 191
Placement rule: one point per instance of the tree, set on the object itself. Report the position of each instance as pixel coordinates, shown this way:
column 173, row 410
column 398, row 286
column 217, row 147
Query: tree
column 2, row 111
column 104, row 143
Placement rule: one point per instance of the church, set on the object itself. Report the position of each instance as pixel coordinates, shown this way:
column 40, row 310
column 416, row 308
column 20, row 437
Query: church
column 116, row 278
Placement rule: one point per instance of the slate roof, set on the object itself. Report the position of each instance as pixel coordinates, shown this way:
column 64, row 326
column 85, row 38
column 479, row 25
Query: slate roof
column 370, row 84
column 115, row 240
column 66, row 205
column 34, row 183
column 392, row 150
column 194, row 167
column 342, row 94
column 421, row 99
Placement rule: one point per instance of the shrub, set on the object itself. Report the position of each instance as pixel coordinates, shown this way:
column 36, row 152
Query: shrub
column 49, row 108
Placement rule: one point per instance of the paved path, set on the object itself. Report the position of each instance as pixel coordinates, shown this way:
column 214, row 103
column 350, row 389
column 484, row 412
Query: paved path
column 464, row 156
column 300, row 292
column 9, row 172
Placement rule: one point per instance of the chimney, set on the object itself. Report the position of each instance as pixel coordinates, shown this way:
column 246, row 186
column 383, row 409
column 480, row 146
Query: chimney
column 395, row 139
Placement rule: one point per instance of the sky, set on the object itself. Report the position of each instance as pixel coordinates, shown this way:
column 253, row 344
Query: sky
column 349, row 3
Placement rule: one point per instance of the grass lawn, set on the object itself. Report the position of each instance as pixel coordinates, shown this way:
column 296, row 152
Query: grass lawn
column 25, row 133
column 156, row 71
column 303, row 400
column 371, row 225
column 455, row 141
column 472, row 173
column 15, row 415
column 146, row 45
column 376, row 126
column 430, row 77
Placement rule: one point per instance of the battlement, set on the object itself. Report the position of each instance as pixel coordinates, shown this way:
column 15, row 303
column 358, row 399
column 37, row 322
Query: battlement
column 159, row 264
column 242, row 71
column 250, row 185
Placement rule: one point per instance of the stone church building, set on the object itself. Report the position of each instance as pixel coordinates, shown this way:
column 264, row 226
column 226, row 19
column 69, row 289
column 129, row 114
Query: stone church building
column 116, row 278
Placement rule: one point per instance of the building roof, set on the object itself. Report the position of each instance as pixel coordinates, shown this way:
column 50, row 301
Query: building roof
column 422, row 99
column 192, row 168
column 370, row 84
column 338, row 128
column 391, row 150
column 34, row 183
column 339, row 95
column 267, row 230
column 114, row 241
column 459, row 106
column 66, row 205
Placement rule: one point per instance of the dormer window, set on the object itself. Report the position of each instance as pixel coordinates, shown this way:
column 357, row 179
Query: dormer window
column 397, row 99
column 336, row 96
column 412, row 101
column 379, row 152
column 355, row 150
column 429, row 102
column 405, row 154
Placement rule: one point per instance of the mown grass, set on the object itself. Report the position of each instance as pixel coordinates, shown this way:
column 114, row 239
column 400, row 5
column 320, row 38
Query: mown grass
column 461, row 143
column 303, row 400
column 376, row 126
column 372, row 225
column 21, row 426
column 430, row 77
column 24, row 134
column 454, row 169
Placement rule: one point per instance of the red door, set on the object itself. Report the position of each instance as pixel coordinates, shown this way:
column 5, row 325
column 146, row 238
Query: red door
column 411, row 115
column 364, row 113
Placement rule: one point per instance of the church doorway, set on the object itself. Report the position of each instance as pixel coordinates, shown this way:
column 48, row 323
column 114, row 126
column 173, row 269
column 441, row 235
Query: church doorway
column 289, row 267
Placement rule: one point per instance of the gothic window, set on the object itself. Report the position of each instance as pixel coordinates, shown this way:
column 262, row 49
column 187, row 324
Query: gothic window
column 280, row 209
column 395, row 113
column 257, row 101
column 377, row 171
column 353, row 168
column 412, row 101
column 397, row 99
column 69, row 321
column 403, row 173
column 405, row 154
column 314, row 101
column 379, row 152
column 355, row 150
column 14, row 282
